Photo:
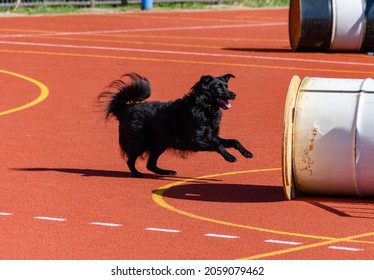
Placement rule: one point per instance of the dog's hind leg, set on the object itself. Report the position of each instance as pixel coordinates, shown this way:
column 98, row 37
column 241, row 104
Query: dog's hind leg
column 232, row 143
column 131, row 164
column 152, row 163
column 132, row 147
column 132, row 157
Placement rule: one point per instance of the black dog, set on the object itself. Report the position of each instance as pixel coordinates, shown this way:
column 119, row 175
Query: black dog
column 188, row 124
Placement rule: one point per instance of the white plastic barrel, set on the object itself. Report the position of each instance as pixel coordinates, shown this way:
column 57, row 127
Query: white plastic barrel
column 348, row 25
column 328, row 137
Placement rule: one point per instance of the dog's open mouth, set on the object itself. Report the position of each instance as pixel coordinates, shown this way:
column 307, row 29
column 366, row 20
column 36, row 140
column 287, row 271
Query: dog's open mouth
column 224, row 103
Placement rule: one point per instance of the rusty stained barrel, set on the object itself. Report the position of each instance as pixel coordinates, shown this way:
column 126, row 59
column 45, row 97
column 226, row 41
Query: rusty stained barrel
column 328, row 137
column 331, row 25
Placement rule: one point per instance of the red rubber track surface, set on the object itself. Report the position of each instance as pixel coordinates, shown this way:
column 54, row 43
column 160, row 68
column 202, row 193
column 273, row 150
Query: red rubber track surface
column 66, row 192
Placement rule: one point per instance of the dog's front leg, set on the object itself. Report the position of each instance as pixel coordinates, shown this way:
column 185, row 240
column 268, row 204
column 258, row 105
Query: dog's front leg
column 226, row 155
column 233, row 143
column 215, row 145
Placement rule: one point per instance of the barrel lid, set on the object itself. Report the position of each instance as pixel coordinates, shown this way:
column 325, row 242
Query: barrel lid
column 288, row 123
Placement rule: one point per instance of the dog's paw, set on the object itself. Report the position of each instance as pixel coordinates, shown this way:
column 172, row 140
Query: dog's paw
column 247, row 154
column 166, row 172
column 171, row 173
column 230, row 158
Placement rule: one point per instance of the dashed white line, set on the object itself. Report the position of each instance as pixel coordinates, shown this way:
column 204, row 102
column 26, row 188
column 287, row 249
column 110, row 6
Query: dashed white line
column 106, row 224
column 283, row 242
column 5, row 214
column 299, row 243
column 221, row 236
column 345, row 248
column 163, row 230
column 293, row 243
column 50, row 219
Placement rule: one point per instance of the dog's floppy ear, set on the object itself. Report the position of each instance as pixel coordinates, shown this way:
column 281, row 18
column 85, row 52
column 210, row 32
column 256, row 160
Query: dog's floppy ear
column 226, row 77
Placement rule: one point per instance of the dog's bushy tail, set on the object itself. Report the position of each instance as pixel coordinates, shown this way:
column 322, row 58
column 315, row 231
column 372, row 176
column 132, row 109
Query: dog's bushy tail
column 135, row 90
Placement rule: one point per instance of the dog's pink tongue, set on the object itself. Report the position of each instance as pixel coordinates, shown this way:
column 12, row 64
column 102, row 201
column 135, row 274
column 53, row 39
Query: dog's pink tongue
column 225, row 104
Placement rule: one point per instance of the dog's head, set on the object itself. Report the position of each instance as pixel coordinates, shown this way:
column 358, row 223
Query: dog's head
column 215, row 90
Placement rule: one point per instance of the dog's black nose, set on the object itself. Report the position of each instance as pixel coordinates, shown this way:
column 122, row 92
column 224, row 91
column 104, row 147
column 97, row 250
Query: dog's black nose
column 233, row 95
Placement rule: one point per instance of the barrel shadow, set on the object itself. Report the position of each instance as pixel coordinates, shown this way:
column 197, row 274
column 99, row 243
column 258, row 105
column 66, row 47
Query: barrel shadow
column 343, row 207
column 229, row 193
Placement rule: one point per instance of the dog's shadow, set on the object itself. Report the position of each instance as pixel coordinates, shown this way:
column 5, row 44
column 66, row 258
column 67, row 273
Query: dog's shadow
column 104, row 173
column 230, row 193
column 210, row 190
column 80, row 171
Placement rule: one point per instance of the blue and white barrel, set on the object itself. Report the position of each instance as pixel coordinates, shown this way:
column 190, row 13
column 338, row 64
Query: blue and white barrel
column 331, row 25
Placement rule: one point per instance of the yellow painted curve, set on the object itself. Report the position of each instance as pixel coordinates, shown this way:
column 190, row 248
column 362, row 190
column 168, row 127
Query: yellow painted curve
column 158, row 198
column 44, row 92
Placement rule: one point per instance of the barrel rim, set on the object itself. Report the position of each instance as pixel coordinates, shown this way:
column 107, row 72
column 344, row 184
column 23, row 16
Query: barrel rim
column 310, row 25
column 287, row 138
column 294, row 26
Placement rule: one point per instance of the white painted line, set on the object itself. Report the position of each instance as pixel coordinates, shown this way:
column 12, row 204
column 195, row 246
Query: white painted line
column 186, row 53
column 203, row 27
column 283, row 242
column 50, row 219
column 221, row 236
column 164, row 230
column 5, row 214
column 345, row 248
column 106, row 224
